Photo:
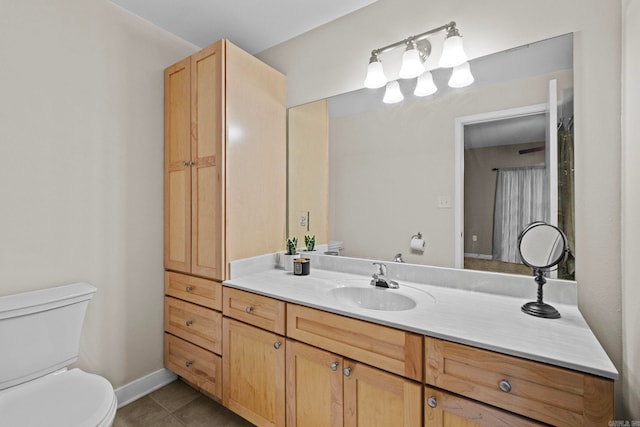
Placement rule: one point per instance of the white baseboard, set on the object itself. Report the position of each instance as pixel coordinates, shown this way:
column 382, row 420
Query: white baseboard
column 143, row 386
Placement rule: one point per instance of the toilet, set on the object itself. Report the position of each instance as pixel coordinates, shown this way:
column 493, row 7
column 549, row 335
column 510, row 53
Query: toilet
column 39, row 338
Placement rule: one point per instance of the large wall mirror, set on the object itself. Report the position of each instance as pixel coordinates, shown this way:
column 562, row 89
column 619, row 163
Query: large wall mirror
column 459, row 166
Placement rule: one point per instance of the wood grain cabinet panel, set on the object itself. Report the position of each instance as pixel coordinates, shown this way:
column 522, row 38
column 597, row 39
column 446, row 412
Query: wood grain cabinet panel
column 550, row 394
column 443, row 409
column 327, row 390
column 254, row 373
column 263, row 312
column 198, row 366
column 177, row 174
column 225, row 131
column 199, row 325
column 314, row 387
column 374, row 398
column 384, row 347
column 207, row 293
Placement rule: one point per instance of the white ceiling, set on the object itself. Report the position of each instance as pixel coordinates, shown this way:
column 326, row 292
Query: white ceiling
column 253, row 25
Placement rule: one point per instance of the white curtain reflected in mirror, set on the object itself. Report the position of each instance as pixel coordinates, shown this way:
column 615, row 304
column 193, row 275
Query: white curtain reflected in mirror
column 520, row 200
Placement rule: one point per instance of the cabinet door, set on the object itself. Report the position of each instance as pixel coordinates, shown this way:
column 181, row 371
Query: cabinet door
column 177, row 172
column 207, row 172
column 314, row 387
column 253, row 373
column 442, row 409
column 374, row 398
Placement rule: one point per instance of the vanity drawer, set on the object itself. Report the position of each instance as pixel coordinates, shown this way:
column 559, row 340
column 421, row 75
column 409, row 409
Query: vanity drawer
column 196, row 324
column 199, row 291
column 386, row 348
column 263, row 312
column 194, row 364
column 550, row 394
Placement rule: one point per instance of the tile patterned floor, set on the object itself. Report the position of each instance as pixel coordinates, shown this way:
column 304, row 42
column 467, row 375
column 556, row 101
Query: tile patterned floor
column 177, row 405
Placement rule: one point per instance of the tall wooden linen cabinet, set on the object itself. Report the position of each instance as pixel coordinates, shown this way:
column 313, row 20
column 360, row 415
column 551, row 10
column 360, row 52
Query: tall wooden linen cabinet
column 224, row 193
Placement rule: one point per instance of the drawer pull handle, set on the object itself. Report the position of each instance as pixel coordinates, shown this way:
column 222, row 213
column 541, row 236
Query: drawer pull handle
column 189, row 288
column 188, row 363
column 189, row 322
column 432, row 401
column 277, row 345
column 334, row 366
column 249, row 309
column 505, row 386
column 347, row 372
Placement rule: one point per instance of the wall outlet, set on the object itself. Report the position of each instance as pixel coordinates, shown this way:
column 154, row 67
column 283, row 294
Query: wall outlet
column 444, row 202
column 303, row 220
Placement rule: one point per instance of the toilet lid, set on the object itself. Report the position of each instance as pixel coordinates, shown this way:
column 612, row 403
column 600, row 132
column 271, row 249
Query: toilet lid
column 71, row 398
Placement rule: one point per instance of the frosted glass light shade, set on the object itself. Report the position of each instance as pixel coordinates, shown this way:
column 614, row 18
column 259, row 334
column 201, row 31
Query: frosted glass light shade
column 425, row 85
column 461, row 76
column 452, row 53
column 375, row 75
column 411, row 64
column 393, row 93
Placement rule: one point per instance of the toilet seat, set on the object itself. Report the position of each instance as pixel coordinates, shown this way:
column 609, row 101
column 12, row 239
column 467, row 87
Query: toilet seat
column 70, row 398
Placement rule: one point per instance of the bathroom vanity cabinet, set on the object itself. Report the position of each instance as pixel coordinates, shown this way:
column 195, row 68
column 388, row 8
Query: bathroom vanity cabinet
column 320, row 384
column 225, row 160
column 341, row 371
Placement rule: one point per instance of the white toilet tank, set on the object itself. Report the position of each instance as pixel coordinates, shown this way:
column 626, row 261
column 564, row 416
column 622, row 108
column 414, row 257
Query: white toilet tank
column 40, row 331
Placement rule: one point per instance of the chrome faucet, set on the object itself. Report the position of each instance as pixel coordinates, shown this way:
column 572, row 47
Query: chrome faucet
column 379, row 278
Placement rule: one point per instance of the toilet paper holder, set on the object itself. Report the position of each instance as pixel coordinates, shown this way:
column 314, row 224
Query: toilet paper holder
column 417, row 243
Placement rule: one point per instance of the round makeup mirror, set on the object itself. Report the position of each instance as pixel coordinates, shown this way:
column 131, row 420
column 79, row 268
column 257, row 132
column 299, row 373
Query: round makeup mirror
column 541, row 246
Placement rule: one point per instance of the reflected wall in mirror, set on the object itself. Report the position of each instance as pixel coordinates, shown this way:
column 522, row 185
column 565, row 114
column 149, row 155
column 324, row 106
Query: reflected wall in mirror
column 394, row 170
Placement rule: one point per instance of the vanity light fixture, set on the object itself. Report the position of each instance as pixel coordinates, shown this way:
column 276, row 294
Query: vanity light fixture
column 452, row 53
column 461, row 76
column 417, row 51
column 392, row 93
column 425, row 85
column 375, row 73
column 412, row 63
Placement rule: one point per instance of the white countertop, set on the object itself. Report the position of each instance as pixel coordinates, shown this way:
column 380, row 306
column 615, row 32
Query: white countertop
column 485, row 320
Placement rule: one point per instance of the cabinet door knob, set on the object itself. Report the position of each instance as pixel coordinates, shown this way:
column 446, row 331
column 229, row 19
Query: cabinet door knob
column 277, row 345
column 249, row 309
column 334, row 366
column 185, row 164
column 188, row 288
column 188, row 363
column 189, row 322
column 505, row 386
column 347, row 372
column 432, row 401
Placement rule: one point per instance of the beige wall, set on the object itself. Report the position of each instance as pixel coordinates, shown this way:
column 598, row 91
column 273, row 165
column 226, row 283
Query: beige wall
column 631, row 208
column 81, row 125
column 332, row 59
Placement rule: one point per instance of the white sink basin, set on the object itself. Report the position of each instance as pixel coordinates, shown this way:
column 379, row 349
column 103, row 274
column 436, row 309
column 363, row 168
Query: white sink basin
column 373, row 298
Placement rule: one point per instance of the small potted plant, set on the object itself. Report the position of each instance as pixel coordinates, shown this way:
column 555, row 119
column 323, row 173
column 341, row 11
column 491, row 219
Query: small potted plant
column 291, row 253
column 310, row 242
